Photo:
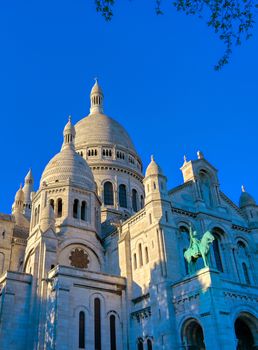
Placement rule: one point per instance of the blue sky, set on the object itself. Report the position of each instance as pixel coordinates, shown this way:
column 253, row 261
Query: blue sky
column 158, row 80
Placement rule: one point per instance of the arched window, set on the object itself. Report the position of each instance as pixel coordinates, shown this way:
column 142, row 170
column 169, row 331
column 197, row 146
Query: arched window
column 135, row 200
column 140, row 255
column 75, row 208
column 149, row 344
column 150, row 218
column 108, row 193
column 122, row 196
column 205, row 186
column 81, row 330
column 146, row 255
column 216, row 251
column 142, row 202
column 135, row 261
column 97, row 324
column 52, row 203
column 245, row 271
column 140, row 344
column 84, row 211
column 112, row 321
column 59, row 208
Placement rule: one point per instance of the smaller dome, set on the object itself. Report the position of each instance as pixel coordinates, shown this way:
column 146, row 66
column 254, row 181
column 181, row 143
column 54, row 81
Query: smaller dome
column 67, row 165
column 153, row 168
column 69, row 128
column 19, row 197
column 246, row 199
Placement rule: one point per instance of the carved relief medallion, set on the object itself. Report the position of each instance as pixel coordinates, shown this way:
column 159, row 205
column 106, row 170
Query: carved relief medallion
column 79, row 258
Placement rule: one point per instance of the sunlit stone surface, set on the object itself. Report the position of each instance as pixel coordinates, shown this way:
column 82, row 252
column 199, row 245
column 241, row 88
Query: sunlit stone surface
column 94, row 259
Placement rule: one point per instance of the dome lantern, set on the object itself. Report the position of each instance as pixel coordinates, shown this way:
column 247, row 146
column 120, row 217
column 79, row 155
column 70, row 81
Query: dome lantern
column 69, row 134
column 96, row 99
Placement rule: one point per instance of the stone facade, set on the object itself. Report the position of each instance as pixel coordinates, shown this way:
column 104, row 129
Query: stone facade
column 94, row 259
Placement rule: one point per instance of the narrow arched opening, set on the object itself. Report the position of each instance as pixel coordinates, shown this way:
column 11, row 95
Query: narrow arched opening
column 246, row 326
column 82, row 330
column 108, row 193
column 192, row 335
column 112, row 321
column 122, row 196
column 135, row 200
column 84, row 211
column 97, row 324
column 59, row 208
column 75, row 208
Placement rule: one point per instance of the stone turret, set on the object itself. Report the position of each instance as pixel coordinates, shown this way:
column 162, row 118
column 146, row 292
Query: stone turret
column 28, row 189
column 17, row 207
column 249, row 207
column 155, row 182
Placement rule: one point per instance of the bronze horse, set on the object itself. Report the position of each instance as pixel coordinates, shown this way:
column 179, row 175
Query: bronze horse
column 198, row 249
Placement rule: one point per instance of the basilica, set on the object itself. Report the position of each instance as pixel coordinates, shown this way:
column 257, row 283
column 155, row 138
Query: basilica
column 94, row 257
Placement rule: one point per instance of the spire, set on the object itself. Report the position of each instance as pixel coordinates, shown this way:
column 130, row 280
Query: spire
column 96, row 98
column 28, row 189
column 69, row 134
column 243, row 188
column 29, row 176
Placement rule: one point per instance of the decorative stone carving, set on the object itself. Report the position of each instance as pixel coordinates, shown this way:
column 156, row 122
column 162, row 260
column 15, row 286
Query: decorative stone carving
column 141, row 314
column 79, row 258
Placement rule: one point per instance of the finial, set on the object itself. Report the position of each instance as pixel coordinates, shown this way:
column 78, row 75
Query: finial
column 96, row 79
column 69, row 118
column 185, row 159
column 200, row 155
column 243, row 188
column 152, row 158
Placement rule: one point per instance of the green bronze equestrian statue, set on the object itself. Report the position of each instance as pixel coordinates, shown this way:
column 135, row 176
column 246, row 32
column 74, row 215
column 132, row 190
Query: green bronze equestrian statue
column 198, row 248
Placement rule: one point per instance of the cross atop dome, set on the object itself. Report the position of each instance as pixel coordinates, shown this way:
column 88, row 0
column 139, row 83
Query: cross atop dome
column 96, row 98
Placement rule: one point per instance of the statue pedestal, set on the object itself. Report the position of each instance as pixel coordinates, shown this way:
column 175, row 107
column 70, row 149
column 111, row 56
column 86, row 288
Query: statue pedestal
column 200, row 297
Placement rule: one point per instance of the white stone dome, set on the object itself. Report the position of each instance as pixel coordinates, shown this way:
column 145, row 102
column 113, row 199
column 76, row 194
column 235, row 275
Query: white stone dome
column 67, row 165
column 19, row 197
column 99, row 129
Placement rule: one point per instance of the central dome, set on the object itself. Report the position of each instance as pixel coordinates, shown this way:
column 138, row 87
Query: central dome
column 101, row 129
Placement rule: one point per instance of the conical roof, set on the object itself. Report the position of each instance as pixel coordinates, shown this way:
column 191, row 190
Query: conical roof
column 153, row 168
column 246, row 199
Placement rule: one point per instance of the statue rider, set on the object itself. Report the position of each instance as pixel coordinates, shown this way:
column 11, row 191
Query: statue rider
column 194, row 242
